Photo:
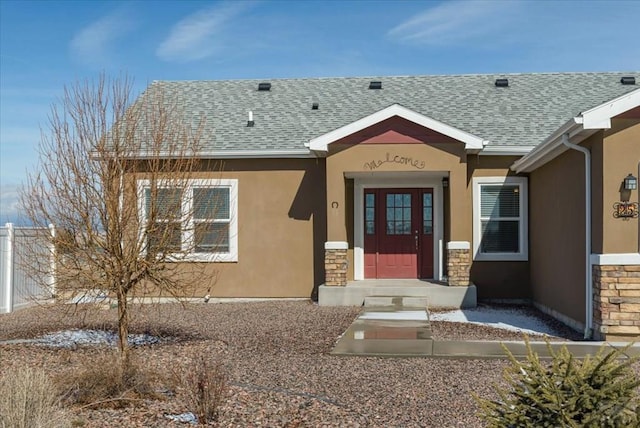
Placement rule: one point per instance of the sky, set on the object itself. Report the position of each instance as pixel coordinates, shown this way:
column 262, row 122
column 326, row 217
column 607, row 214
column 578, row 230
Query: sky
column 45, row 45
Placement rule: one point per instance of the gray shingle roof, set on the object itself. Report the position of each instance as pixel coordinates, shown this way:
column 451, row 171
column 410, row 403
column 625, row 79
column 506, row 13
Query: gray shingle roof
column 523, row 114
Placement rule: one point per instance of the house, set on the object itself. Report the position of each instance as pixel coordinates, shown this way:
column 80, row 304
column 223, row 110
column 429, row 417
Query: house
column 511, row 187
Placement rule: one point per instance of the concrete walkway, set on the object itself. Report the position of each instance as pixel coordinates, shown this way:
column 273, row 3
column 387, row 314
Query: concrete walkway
column 395, row 330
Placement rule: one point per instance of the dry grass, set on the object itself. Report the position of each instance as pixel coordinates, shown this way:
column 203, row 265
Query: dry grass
column 29, row 399
column 205, row 386
column 102, row 380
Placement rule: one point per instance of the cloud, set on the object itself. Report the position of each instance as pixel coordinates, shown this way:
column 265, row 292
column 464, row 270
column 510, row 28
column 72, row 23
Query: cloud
column 194, row 37
column 91, row 44
column 453, row 21
column 9, row 204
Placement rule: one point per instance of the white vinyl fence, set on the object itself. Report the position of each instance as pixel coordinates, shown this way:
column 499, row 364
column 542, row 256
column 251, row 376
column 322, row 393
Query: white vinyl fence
column 27, row 266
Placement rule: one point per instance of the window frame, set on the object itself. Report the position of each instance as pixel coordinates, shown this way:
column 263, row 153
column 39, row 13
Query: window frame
column 188, row 222
column 523, row 231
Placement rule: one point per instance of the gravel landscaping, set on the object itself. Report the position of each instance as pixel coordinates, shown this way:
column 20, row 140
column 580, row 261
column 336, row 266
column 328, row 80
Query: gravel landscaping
column 276, row 357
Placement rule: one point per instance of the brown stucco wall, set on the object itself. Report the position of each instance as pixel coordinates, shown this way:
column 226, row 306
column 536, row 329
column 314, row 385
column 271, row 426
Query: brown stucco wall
column 556, row 233
column 281, row 228
column 621, row 156
column 496, row 279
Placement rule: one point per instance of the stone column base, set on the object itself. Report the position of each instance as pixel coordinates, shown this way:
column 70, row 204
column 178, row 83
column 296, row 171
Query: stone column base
column 458, row 263
column 335, row 263
column 616, row 301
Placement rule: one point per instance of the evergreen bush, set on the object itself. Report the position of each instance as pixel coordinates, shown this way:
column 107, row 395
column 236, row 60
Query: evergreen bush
column 599, row 391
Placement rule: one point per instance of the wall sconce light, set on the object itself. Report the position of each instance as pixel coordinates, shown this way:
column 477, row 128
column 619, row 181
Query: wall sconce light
column 445, row 182
column 630, row 182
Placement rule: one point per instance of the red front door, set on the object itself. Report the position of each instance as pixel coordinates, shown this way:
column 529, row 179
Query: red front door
column 398, row 233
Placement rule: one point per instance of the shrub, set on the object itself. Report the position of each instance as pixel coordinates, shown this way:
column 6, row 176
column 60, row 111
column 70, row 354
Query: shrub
column 600, row 391
column 28, row 399
column 104, row 380
column 205, row 386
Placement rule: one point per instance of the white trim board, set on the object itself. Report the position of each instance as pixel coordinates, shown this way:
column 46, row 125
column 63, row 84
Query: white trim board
column 615, row 259
column 381, row 182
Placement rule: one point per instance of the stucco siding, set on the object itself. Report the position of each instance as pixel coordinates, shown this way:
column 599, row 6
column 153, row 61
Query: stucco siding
column 281, row 228
column 556, row 234
column 496, row 279
column 621, row 156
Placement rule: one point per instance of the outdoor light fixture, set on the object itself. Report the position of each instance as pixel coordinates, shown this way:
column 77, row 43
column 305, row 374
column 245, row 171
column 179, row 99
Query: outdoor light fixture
column 630, row 182
column 445, row 182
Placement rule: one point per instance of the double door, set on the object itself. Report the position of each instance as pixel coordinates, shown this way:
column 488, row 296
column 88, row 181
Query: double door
column 398, row 233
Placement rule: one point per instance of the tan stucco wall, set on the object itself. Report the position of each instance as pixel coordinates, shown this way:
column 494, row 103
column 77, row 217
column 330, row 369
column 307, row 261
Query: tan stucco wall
column 556, row 233
column 350, row 158
column 434, row 153
column 281, row 228
column 621, row 156
column 353, row 158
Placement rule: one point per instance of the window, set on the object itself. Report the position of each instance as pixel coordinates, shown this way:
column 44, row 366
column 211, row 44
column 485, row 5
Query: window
column 370, row 213
column 398, row 214
column 500, row 218
column 200, row 217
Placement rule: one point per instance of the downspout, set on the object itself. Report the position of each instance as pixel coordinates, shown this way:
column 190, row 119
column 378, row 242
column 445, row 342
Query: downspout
column 588, row 328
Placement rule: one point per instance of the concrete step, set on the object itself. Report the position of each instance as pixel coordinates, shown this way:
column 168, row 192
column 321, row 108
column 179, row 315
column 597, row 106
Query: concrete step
column 396, row 301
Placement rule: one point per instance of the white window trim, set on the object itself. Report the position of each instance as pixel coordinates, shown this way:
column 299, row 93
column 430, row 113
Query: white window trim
column 523, row 253
column 187, row 235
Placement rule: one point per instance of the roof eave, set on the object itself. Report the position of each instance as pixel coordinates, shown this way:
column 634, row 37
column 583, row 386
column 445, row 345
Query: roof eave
column 600, row 117
column 578, row 129
column 233, row 154
column 506, row 150
column 548, row 149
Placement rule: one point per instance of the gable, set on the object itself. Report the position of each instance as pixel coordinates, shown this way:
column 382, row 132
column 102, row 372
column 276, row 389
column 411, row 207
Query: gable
column 395, row 130
column 321, row 143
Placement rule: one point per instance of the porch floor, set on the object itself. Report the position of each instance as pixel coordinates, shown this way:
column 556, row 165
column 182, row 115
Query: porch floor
column 437, row 294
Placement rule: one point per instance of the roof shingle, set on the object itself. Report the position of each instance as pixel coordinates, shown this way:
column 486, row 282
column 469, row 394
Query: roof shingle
column 522, row 114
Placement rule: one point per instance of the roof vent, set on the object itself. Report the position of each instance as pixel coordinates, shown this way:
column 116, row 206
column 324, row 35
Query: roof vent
column 628, row 80
column 315, row 106
column 264, row 86
column 250, row 122
column 502, row 83
column 375, row 84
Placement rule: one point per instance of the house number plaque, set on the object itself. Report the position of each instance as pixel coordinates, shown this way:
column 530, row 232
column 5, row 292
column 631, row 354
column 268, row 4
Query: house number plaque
column 625, row 210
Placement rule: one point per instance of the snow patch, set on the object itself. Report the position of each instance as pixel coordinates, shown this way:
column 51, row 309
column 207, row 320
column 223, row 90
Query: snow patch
column 74, row 338
column 185, row 418
column 503, row 318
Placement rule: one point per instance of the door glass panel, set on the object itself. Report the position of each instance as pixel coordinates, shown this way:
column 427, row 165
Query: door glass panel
column 370, row 214
column 398, row 213
column 427, row 213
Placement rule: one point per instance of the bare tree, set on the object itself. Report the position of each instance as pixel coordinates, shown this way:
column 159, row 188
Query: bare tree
column 114, row 180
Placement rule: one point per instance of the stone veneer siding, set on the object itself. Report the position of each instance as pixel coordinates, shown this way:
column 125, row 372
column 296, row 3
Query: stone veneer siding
column 335, row 267
column 616, row 301
column 458, row 266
